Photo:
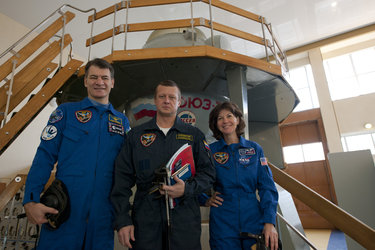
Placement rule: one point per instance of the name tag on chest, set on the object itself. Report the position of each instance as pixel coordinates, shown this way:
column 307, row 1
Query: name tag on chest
column 115, row 128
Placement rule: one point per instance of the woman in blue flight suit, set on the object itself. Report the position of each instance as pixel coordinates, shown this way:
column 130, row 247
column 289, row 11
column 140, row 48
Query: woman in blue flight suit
column 241, row 170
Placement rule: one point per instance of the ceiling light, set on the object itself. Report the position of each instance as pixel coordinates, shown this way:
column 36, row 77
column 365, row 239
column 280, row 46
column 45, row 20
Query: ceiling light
column 368, row 125
column 333, row 4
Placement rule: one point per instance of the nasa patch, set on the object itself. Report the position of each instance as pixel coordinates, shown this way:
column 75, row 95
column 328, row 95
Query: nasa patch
column 188, row 117
column 221, row 157
column 49, row 132
column 148, row 139
column 56, row 116
column 83, row 115
column 244, row 160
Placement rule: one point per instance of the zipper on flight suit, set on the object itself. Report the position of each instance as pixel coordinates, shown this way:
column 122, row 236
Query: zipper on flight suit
column 97, row 155
column 238, row 197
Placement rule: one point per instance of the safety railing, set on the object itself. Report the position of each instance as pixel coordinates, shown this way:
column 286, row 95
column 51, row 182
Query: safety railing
column 13, row 64
column 46, row 20
column 348, row 224
column 303, row 237
column 268, row 41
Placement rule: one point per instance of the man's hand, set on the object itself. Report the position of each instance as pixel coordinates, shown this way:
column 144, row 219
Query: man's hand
column 271, row 236
column 125, row 234
column 214, row 201
column 36, row 212
column 175, row 191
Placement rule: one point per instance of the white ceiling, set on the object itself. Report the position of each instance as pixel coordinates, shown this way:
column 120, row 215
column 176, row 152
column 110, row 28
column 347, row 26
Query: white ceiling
column 295, row 22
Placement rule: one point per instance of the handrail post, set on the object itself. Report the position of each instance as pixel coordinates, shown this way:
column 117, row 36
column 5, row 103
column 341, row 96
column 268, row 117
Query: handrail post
column 192, row 23
column 62, row 38
column 273, row 44
column 211, row 24
column 114, row 28
column 9, row 92
column 91, row 32
column 126, row 24
column 264, row 38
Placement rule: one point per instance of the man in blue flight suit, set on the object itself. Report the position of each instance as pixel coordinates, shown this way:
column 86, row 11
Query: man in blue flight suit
column 83, row 138
column 147, row 148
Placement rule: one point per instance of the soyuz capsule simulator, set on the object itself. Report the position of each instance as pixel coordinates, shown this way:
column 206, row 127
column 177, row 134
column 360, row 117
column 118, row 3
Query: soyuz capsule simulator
column 206, row 75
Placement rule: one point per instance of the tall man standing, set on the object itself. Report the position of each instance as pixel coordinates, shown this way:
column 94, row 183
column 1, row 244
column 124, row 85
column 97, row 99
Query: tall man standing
column 148, row 147
column 83, row 138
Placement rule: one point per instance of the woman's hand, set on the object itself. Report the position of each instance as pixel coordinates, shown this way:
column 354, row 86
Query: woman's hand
column 214, row 201
column 271, row 236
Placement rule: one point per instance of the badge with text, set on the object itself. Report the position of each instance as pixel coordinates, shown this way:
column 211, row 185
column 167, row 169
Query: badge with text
column 184, row 137
column 148, row 139
column 56, row 116
column 115, row 128
column 246, row 151
column 83, row 115
column 49, row 132
column 221, row 157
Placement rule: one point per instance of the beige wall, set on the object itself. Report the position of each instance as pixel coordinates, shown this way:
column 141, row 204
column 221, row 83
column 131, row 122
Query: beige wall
column 10, row 32
column 353, row 113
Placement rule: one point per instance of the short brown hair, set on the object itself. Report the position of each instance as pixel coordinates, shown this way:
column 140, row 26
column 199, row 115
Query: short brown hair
column 168, row 83
column 100, row 63
column 235, row 110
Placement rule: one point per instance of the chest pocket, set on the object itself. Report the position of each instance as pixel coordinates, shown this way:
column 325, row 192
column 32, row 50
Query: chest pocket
column 74, row 133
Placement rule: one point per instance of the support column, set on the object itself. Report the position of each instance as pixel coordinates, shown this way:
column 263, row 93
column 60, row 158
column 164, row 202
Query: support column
column 326, row 106
column 237, row 87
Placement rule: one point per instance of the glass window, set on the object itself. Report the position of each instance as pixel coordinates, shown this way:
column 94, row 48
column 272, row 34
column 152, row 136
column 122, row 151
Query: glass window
column 293, row 154
column 302, row 81
column 361, row 61
column 313, row 151
column 367, row 82
column 351, row 75
column 304, row 153
column 359, row 142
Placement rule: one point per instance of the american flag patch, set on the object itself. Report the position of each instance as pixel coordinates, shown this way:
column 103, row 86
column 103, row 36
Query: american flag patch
column 263, row 161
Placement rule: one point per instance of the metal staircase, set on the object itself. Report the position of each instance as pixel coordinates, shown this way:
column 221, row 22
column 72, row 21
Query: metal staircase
column 23, row 72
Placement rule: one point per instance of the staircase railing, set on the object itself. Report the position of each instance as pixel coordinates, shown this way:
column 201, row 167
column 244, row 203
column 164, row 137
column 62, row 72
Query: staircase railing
column 348, row 224
column 66, row 17
column 303, row 237
column 24, row 79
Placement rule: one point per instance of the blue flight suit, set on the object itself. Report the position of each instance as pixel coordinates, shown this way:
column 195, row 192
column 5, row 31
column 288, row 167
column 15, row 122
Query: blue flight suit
column 146, row 149
column 84, row 139
column 241, row 169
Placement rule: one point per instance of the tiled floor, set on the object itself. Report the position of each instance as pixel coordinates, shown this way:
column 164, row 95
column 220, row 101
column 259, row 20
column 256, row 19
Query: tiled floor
column 325, row 239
